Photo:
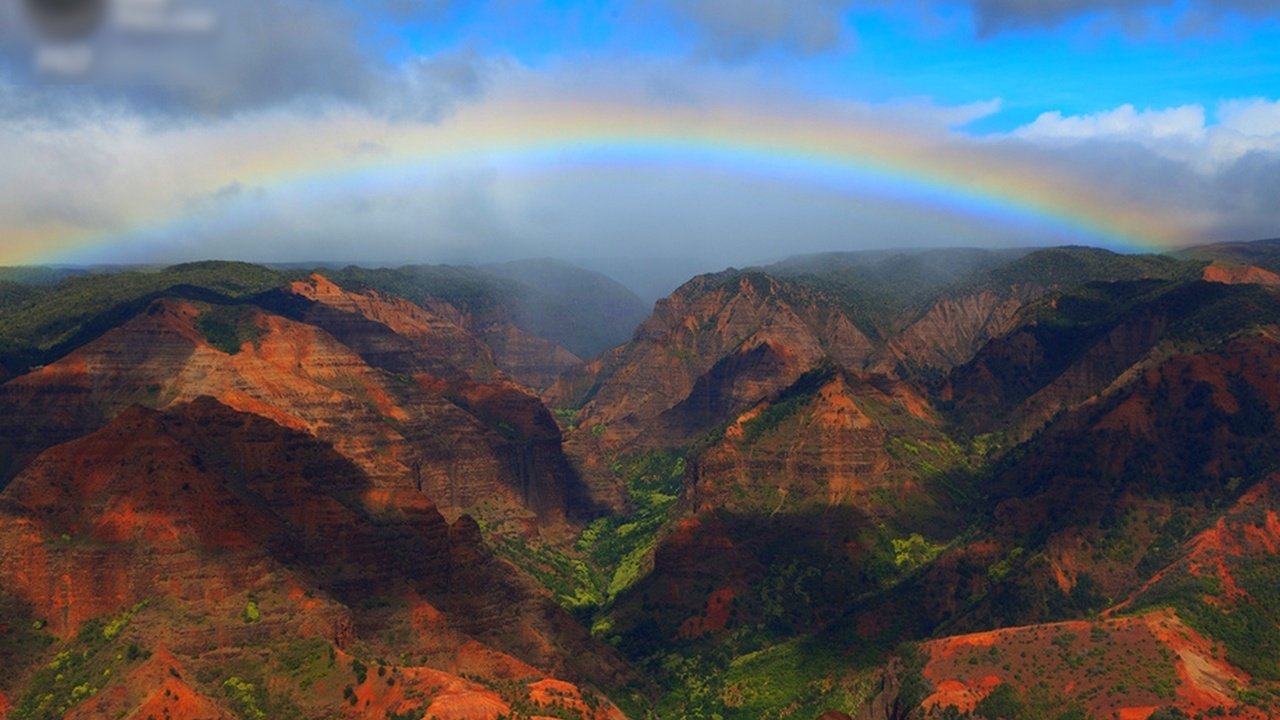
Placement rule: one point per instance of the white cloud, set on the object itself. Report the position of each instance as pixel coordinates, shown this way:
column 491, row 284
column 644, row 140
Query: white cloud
column 1124, row 123
column 1183, row 134
column 1253, row 117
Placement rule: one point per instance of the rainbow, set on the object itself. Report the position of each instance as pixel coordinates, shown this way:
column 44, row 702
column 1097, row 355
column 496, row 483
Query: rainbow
column 849, row 155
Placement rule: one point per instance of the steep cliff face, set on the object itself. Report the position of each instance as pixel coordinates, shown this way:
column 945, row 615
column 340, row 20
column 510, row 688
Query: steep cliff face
column 1189, row 422
column 699, row 330
column 533, row 361
column 1231, row 563
column 157, row 687
column 732, row 385
column 983, row 305
column 435, row 346
column 1074, row 346
column 684, row 361
column 832, row 438
column 196, row 506
column 149, row 494
column 287, row 481
column 432, row 336
column 1084, row 513
column 1021, row 380
column 956, row 327
column 399, row 427
column 1125, row 414
column 394, row 334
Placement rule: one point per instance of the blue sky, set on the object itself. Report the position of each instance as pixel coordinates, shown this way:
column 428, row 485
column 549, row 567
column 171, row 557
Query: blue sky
column 151, row 141
column 1088, row 63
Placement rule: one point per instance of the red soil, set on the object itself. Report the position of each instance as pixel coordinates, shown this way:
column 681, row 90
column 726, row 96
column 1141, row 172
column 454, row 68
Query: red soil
column 1239, row 275
column 1115, row 667
column 714, row 618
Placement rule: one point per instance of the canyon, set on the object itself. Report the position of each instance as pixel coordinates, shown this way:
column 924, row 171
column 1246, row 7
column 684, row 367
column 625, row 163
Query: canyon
column 934, row 484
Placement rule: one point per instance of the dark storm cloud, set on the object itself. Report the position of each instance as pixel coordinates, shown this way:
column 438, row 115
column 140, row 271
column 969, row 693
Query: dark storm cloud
column 1245, row 196
column 235, row 55
column 739, row 29
column 992, row 16
column 415, row 10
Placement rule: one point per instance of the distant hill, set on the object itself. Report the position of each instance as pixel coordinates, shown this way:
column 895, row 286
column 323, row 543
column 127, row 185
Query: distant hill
column 46, row 312
column 1262, row 253
column 584, row 311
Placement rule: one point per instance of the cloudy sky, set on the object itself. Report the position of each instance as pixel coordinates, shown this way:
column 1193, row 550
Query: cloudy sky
column 637, row 133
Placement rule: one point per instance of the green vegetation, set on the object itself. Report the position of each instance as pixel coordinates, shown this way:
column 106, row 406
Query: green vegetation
column 788, row 403
column 244, row 698
column 798, row 678
column 229, row 327
column 80, row 669
column 1003, row 703
column 876, row 288
column 802, row 676
column 1069, row 267
column 1248, row 627
column 51, row 320
column 305, row 661
column 575, row 584
column 914, row 687
column 782, row 610
column 914, row 552
column 612, row 552
column 467, row 288
column 567, row 417
column 1263, row 253
column 1199, row 313
column 622, row 546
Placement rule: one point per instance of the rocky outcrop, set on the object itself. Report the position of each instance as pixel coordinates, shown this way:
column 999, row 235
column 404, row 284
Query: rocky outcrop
column 1021, row 380
column 954, row 328
column 157, row 688
column 432, row 336
column 817, row 445
column 732, row 385
column 709, row 319
column 533, row 361
column 392, row 333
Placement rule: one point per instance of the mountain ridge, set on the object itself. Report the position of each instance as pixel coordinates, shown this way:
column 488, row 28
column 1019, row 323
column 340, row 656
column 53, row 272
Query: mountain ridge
column 793, row 491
